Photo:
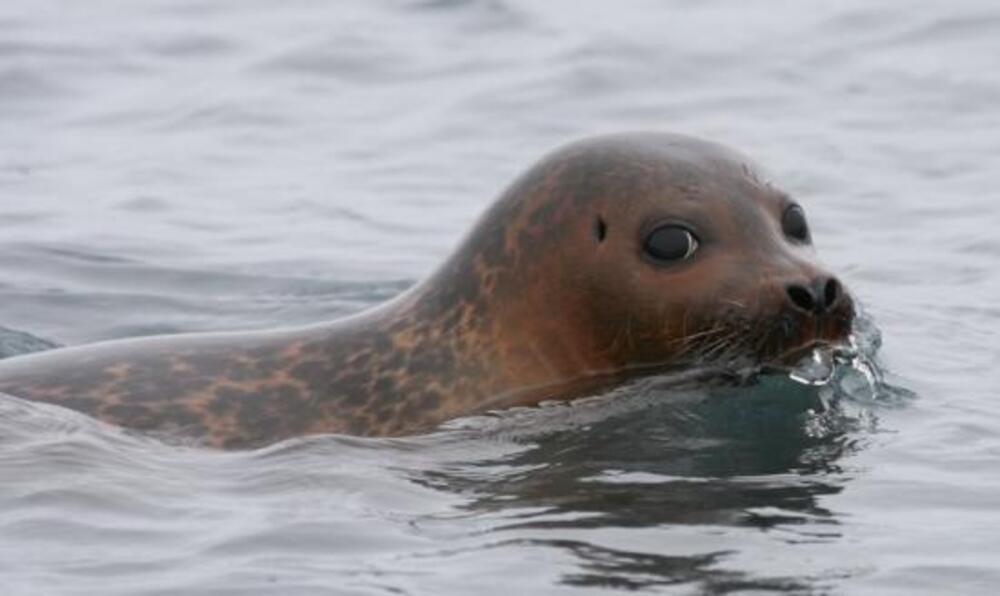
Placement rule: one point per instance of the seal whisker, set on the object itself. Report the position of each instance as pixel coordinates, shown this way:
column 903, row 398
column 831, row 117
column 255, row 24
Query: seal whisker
column 688, row 338
column 734, row 302
column 717, row 347
column 690, row 343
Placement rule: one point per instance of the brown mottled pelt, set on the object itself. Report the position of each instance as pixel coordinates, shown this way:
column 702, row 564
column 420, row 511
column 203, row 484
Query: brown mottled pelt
column 612, row 257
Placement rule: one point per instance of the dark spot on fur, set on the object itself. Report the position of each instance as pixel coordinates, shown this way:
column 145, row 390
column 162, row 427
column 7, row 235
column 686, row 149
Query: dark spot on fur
column 385, row 385
column 134, row 416
column 430, row 401
column 600, row 229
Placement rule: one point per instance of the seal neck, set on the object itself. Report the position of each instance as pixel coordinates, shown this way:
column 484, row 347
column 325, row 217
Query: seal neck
column 478, row 341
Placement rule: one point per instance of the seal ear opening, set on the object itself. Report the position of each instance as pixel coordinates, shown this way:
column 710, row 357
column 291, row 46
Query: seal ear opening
column 600, row 229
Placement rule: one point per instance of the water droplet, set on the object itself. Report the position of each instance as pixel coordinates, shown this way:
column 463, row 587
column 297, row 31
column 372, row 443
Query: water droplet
column 816, row 368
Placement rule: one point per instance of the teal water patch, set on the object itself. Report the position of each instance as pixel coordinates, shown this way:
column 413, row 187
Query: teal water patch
column 16, row 343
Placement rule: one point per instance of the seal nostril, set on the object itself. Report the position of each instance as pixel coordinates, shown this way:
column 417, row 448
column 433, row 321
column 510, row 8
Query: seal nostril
column 801, row 297
column 831, row 292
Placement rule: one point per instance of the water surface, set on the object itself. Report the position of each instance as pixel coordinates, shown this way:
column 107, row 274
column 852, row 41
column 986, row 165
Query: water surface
column 186, row 166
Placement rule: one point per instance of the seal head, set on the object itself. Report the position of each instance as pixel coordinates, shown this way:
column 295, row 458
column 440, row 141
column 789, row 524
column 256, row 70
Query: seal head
column 639, row 251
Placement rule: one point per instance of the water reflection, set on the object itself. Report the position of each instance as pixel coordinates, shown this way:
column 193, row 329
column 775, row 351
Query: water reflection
column 628, row 570
column 716, row 462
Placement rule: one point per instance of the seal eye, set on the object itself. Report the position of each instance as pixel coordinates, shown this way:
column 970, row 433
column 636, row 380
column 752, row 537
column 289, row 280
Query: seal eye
column 671, row 243
column 793, row 224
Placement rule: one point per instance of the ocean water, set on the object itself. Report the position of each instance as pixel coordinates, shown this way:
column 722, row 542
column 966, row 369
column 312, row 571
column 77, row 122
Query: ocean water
column 181, row 165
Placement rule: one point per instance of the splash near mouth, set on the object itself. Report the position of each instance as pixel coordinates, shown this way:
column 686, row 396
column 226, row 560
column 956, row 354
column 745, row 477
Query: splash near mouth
column 847, row 366
column 819, row 363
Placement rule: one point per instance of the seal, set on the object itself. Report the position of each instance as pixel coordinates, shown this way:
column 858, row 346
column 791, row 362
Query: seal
column 613, row 257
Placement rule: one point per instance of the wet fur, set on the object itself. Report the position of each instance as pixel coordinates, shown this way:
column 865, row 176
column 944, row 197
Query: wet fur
column 516, row 315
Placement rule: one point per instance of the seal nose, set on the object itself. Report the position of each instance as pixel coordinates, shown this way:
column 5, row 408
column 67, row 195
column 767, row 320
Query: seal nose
column 817, row 297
